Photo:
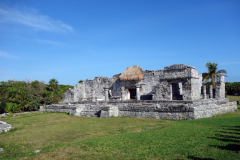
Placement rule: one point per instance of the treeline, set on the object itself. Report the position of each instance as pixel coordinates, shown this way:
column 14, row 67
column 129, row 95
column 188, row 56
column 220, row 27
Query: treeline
column 232, row 88
column 16, row 96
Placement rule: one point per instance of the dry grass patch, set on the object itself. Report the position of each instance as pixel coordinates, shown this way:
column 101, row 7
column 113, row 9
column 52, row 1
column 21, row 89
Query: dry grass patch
column 233, row 98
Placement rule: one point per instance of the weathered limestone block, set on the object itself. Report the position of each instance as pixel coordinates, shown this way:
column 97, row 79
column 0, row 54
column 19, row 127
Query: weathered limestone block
column 109, row 111
column 93, row 95
column 3, row 115
column 4, row 127
column 220, row 87
column 210, row 91
column 68, row 96
column 123, row 94
column 91, row 110
column 138, row 92
column 106, row 94
column 67, row 108
column 78, row 110
column 204, row 92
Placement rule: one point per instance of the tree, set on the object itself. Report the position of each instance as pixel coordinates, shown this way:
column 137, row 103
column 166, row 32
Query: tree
column 80, row 81
column 212, row 72
column 53, row 84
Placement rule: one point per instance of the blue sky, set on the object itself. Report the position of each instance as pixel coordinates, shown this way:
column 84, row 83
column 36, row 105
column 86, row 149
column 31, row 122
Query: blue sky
column 75, row 40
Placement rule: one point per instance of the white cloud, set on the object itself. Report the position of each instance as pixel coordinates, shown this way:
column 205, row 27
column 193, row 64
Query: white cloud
column 45, row 41
column 5, row 54
column 32, row 18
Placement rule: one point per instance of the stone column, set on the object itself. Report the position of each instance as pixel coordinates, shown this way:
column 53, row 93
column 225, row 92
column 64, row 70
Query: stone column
column 210, row 91
column 123, row 93
column 180, row 88
column 220, row 87
column 106, row 94
column 137, row 92
column 93, row 96
column 154, row 93
column 204, row 92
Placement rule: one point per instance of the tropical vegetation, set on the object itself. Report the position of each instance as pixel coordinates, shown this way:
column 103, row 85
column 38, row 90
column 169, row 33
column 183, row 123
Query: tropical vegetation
column 212, row 72
column 232, row 88
column 16, row 96
column 80, row 81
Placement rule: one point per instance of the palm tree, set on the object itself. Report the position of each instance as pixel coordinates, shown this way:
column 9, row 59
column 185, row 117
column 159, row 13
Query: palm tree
column 53, row 84
column 212, row 72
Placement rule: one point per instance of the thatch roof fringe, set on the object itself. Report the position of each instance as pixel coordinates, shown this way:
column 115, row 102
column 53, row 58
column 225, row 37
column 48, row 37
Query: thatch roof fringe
column 133, row 73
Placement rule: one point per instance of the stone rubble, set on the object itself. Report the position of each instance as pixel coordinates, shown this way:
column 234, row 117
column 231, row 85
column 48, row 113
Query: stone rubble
column 37, row 151
column 3, row 115
column 4, row 127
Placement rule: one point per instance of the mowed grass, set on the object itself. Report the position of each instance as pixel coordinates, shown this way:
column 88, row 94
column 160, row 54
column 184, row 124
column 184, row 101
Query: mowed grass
column 62, row 136
column 233, row 98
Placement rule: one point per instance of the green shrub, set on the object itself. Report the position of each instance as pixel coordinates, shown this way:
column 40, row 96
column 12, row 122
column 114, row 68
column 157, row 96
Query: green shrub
column 2, row 106
column 47, row 100
column 12, row 108
column 34, row 104
column 29, row 95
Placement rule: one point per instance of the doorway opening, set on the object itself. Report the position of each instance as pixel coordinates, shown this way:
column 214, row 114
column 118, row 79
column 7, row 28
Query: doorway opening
column 132, row 93
column 176, row 92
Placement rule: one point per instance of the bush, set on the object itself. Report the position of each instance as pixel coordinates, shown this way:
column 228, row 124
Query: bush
column 12, row 108
column 2, row 106
column 29, row 95
column 232, row 88
column 47, row 100
column 34, row 104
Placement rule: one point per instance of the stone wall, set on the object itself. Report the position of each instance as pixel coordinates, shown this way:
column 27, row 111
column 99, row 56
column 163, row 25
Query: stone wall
column 209, row 108
column 84, row 91
column 148, row 109
column 178, row 82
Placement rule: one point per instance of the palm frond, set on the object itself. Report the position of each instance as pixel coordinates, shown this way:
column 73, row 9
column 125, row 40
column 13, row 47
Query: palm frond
column 206, row 78
column 204, row 75
column 222, row 71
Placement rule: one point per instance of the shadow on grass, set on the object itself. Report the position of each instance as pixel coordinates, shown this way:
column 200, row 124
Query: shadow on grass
column 231, row 135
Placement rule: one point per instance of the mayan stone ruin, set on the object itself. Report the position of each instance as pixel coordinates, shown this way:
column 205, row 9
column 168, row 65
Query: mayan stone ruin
column 176, row 92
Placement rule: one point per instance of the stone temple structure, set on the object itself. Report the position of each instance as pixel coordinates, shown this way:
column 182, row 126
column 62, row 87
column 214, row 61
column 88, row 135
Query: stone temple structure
column 176, row 92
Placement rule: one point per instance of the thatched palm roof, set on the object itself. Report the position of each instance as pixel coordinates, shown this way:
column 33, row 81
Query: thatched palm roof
column 133, row 73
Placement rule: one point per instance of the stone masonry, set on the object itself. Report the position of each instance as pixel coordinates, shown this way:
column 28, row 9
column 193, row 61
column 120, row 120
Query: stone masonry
column 173, row 93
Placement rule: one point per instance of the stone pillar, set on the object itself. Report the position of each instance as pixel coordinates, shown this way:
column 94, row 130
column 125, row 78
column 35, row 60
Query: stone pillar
column 210, row 91
column 154, row 93
column 204, row 92
column 93, row 96
column 137, row 92
column 220, row 87
column 123, row 93
column 106, row 94
column 180, row 88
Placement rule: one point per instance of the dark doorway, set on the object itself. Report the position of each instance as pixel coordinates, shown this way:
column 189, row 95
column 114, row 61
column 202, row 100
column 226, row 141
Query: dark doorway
column 176, row 92
column 132, row 93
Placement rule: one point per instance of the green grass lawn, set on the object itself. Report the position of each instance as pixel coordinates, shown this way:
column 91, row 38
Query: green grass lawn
column 62, row 136
column 234, row 98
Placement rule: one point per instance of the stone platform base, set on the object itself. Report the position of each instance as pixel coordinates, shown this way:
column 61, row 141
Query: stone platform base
column 174, row 109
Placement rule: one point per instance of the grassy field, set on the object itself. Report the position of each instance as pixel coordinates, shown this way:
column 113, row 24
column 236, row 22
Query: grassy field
column 62, row 136
column 234, row 98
